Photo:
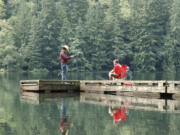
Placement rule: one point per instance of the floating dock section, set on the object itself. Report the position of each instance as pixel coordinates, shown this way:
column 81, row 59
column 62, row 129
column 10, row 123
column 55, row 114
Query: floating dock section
column 49, row 86
column 102, row 86
column 137, row 86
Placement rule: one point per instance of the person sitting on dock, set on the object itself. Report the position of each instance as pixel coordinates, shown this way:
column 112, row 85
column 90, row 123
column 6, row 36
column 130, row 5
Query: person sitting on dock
column 116, row 72
column 64, row 61
column 129, row 73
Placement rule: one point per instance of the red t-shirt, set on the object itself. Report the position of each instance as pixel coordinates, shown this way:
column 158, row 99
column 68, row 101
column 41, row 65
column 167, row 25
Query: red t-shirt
column 120, row 70
column 64, row 58
column 120, row 115
column 117, row 69
column 123, row 71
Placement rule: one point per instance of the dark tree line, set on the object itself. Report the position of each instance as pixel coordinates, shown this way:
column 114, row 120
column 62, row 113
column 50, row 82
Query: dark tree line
column 144, row 34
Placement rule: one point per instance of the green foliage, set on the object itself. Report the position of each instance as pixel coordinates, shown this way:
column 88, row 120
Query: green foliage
column 2, row 9
column 142, row 34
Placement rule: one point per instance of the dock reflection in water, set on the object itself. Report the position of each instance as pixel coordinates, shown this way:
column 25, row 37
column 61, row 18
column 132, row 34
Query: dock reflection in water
column 117, row 107
column 130, row 102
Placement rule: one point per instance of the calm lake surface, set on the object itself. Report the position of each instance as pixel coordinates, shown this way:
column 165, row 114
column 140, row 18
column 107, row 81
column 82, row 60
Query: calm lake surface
column 19, row 117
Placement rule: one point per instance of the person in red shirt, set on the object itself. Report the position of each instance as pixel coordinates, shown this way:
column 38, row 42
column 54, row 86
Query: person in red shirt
column 64, row 61
column 116, row 71
column 119, row 113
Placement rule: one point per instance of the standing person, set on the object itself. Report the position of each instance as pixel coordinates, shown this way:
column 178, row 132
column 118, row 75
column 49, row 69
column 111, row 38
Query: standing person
column 116, row 72
column 64, row 61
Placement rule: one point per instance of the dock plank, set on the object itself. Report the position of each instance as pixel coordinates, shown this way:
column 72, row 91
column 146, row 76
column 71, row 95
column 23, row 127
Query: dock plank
column 173, row 87
column 49, row 85
column 121, row 85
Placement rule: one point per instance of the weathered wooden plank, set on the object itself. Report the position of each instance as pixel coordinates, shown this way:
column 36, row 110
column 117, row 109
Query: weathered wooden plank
column 176, row 96
column 120, row 82
column 58, row 85
column 49, row 85
column 123, row 85
column 30, row 88
column 59, row 82
column 26, row 85
column 173, row 87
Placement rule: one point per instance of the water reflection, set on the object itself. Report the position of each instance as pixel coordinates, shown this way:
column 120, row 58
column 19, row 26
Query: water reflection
column 119, row 113
column 113, row 101
column 64, row 120
column 88, row 112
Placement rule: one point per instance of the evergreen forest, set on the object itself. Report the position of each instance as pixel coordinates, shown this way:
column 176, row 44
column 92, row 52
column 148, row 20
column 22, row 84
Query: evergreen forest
column 144, row 34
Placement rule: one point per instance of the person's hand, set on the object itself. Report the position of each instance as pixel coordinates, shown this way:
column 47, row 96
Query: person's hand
column 71, row 57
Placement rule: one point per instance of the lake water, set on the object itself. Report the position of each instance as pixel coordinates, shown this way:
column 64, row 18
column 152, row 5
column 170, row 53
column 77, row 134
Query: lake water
column 19, row 117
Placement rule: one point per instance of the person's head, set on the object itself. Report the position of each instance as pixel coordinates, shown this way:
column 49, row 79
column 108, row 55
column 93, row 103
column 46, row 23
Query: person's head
column 66, row 48
column 115, row 62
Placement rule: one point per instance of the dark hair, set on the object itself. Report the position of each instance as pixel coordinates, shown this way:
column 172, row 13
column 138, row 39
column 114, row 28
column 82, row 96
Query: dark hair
column 116, row 61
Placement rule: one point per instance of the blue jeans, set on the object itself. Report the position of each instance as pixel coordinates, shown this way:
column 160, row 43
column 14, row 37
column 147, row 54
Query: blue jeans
column 63, row 108
column 63, row 71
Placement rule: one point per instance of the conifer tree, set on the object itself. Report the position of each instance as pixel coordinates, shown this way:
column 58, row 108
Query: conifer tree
column 2, row 9
column 94, row 37
column 44, row 37
column 150, row 38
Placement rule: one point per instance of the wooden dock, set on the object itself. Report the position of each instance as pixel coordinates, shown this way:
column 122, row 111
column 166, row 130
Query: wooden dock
column 173, row 87
column 138, row 86
column 49, row 86
column 102, row 86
